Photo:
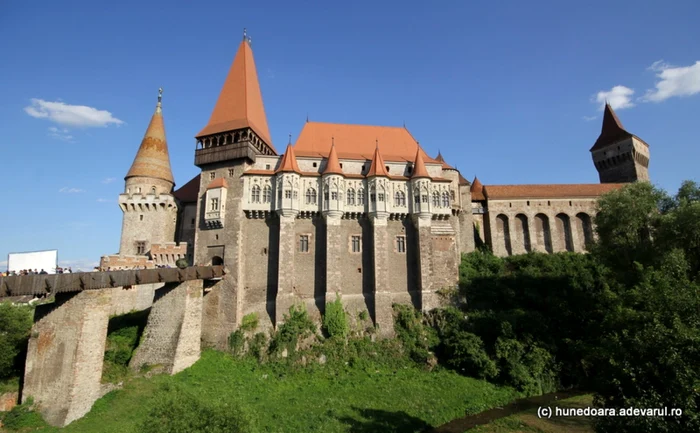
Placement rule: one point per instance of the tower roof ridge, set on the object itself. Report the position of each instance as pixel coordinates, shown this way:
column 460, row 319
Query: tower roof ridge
column 240, row 103
column 289, row 161
column 611, row 131
column 152, row 159
column 419, row 169
column 333, row 164
column 377, row 167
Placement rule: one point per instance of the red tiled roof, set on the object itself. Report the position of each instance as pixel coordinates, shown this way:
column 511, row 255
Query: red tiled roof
column 477, row 190
column 219, row 182
column 333, row 165
column 152, row 158
column 240, row 103
column 549, row 191
column 419, row 169
column 462, row 180
column 189, row 192
column 357, row 141
column 289, row 161
column 377, row 168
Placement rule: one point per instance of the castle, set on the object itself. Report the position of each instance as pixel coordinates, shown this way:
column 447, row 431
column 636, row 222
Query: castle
column 356, row 211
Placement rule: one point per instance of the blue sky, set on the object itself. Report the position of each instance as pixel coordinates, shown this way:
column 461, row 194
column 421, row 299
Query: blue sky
column 510, row 91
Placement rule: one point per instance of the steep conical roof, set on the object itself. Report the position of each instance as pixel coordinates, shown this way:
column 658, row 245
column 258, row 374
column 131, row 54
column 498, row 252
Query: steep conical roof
column 240, row 103
column 440, row 159
column 477, row 190
column 419, row 169
column 152, row 159
column 333, row 165
column 289, row 161
column 612, row 130
column 377, row 168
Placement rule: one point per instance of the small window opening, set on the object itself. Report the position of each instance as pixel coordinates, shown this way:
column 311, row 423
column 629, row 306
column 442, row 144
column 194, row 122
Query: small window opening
column 528, row 202
column 230, row 172
column 212, row 175
column 387, row 168
column 267, row 166
column 315, row 165
column 140, row 217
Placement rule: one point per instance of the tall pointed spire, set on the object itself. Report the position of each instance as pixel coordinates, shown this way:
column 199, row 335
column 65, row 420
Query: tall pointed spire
column 240, row 103
column 612, row 130
column 333, row 164
column 289, row 161
column 377, row 167
column 152, row 159
column 419, row 169
column 477, row 190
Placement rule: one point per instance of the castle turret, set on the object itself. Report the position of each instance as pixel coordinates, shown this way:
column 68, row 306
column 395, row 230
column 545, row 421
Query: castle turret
column 377, row 183
column 421, row 187
column 619, row 156
column 333, row 186
column 150, row 210
column 287, row 184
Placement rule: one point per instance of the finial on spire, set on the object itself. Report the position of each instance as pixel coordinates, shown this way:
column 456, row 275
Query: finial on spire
column 376, row 141
column 290, row 138
column 245, row 33
column 332, row 140
column 160, row 95
column 307, row 117
column 250, row 41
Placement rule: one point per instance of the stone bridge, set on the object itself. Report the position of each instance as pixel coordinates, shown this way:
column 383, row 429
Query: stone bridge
column 65, row 355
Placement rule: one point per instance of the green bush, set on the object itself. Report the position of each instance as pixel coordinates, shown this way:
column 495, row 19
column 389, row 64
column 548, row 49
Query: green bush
column 174, row 410
column 236, row 342
column 296, row 326
column 15, row 325
column 22, row 417
column 335, row 321
column 257, row 346
column 123, row 336
column 417, row 337
column 250, row 322
column 465, row 352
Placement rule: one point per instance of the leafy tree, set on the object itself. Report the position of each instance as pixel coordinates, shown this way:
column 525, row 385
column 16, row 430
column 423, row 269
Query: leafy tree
column 15, row 325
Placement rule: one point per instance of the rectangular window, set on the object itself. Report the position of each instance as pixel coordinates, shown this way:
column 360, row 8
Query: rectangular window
column 230, row 172
column 140, row 248
column 381, row 196
column 424, row 198
column 192, row 222
column 215, row 204
column 334, row 196
column 401, row 244
column 452, row 194
column 267, row 166
column 373, row 197
column 287, row 193
column 212, row 175
column 304, row 243
column 356, row 244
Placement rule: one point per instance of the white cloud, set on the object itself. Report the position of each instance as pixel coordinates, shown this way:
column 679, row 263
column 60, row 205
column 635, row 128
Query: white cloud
column 65, row 189
column 109, row 179
column 60, row 134
column 673, row 81
column 589, row 118
column 618, row 97
column 71, row 115
column 104, row 200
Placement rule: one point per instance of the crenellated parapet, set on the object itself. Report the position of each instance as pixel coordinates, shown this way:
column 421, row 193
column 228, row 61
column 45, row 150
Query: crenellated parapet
column 139, row 202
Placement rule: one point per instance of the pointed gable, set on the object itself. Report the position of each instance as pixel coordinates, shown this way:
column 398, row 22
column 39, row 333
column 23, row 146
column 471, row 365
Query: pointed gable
column 419, row 169
column 152, row 159
column 289, row 161
column 333, row 165
column 445, row 165
column 240, row 103
column 612, row 130
column 377, row 168
column 477, row 190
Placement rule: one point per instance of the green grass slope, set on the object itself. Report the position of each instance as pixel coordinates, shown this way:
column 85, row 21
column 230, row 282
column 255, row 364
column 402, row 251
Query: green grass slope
column 311, row 399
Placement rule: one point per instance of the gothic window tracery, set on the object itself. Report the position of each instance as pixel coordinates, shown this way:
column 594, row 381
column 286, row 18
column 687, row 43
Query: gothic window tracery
column 360, row 196
column 400, row 199
column 445, row 199
column 267, row 194
column 436, row 199
column 310, row 196
column 255, row 194
column 351, row 197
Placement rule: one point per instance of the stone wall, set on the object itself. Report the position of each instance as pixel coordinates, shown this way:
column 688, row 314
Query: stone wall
column 168, row 253
column 519, row 226
column 120, row 263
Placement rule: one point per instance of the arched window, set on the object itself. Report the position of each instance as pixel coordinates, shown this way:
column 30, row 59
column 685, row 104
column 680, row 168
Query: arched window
column 351, row 197
column 372, row 194
column 325, row 197
column 416, row 198
column 255, row 194
column 153, row 190
column 400, row 198
column 436, row 199
column 445, row 199
column 267, row 194
column 310, row 196
column 360, row 196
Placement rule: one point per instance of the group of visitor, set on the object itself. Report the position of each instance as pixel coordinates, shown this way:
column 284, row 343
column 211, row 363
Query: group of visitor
column 34, row 272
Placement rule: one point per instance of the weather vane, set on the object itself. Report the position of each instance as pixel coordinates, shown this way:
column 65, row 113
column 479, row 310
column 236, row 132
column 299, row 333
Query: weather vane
column 160, row 94
column 245, row 34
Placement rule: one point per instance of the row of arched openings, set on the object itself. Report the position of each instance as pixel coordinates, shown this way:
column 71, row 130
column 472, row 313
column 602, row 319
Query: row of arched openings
column 264, row 195
column 514, row 236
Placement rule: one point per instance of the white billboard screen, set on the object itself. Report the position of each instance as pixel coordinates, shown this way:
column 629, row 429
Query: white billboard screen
column 46, row 260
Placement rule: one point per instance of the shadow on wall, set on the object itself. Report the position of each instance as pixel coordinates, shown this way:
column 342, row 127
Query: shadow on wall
column 374, row 420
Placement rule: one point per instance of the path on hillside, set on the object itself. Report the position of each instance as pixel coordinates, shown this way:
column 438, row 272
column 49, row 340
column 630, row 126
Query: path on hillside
column 460, row 425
